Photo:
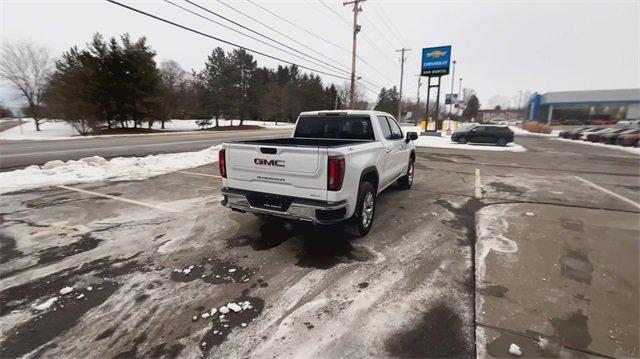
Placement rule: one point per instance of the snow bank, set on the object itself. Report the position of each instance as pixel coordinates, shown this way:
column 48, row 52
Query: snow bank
column 634, row 150
column 521, row 131
column 60, row 130
column 92, row 169
column 445, row 142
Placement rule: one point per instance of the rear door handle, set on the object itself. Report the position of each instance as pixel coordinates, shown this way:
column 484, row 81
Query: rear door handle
column 389, row 150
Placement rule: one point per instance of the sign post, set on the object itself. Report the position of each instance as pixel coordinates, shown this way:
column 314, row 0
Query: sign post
column 435, row 63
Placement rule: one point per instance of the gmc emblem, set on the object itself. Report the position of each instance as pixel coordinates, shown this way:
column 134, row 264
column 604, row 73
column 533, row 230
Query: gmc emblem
column 265, row 162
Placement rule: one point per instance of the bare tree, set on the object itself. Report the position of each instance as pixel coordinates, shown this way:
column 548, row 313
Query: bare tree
column 174, row 86
column 26, row 67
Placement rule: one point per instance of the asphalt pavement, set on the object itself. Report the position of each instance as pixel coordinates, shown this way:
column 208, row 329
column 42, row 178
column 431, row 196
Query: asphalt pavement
column 487, row 249
column 15, row 154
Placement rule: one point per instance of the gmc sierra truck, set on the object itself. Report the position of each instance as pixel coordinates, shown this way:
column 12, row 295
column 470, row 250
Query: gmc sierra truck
column 331, row 170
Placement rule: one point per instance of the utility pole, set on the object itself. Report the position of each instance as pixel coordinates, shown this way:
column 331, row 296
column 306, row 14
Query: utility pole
column 402, row 59
column 418, row 98
column 356, row 29
column 453, row 78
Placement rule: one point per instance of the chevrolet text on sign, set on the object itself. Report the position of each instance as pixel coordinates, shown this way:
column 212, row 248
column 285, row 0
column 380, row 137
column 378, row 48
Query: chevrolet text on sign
column 435, row 61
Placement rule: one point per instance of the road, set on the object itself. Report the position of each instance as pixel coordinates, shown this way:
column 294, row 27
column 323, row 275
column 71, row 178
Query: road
column 24, row 153
column 419, row 285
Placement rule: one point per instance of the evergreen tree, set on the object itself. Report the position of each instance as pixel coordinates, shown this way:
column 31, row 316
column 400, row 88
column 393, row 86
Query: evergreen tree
column 471, row 111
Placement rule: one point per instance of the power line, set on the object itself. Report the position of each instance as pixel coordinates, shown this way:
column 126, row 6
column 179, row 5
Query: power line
column 365, row 37
column 224, row 41
column 264, row 36
column 382, row 34
column 288, row 37
column 249, row 36
column 303, row 29
column 298, row 27
column 382, row 15
column 278, row 32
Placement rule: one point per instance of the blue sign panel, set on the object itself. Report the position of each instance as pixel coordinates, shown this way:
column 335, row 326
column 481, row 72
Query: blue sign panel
column 435, row 61
column 451, row 98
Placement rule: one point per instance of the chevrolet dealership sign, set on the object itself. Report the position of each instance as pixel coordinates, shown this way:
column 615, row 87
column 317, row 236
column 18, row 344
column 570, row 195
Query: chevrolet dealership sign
column 435, row 61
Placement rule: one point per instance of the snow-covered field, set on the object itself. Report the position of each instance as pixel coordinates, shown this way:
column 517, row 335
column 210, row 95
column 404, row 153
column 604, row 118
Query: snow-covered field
column 445, row 142
column 60, row 130
column 634, row 150
column 92, row 169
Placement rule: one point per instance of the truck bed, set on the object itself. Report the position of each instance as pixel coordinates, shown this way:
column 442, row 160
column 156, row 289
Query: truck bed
column 304, row 142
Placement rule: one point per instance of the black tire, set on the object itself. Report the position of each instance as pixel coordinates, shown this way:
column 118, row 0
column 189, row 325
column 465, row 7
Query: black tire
column 462, row 140
column 356, row 225
column 502, row 142
column 406, row 181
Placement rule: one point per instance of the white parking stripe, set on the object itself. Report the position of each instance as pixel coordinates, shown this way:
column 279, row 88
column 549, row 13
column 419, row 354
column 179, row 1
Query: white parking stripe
column 478, row 187
column 198, row 174
column 161, row 208
column 613, row 194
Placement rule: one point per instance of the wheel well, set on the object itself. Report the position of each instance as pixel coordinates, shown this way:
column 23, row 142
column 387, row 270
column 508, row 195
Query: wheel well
column 370, row 175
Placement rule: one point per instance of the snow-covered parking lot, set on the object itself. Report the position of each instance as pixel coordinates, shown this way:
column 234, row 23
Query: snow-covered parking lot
column 141, row 260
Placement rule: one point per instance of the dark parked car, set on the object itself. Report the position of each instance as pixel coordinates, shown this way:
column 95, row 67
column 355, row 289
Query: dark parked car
column 500, row 135
column 612, row 138
column 629, row 140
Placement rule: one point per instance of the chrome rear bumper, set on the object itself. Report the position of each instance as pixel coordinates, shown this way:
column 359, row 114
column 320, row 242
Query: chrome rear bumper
column 318, row 212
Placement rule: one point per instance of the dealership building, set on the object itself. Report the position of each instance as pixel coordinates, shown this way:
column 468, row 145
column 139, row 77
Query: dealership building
column 574, row 107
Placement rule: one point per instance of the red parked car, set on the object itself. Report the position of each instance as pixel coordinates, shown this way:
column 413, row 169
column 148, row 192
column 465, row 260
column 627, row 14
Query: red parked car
column 604, row 122
column 629, row 140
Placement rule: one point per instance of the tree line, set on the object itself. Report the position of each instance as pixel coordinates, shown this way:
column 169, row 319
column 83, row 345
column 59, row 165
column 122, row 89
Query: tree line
column 117, row 83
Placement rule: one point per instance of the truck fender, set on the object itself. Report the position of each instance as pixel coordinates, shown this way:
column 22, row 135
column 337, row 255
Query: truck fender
column 370, row 174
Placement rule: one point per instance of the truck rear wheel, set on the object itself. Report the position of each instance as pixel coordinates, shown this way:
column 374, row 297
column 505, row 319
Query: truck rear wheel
column 406, row 181
column 362, row 220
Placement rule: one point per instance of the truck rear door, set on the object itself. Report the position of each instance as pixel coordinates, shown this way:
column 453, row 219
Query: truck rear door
column 298, row 171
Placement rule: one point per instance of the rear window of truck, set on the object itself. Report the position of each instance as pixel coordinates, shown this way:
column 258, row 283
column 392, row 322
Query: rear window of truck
column 341, row 127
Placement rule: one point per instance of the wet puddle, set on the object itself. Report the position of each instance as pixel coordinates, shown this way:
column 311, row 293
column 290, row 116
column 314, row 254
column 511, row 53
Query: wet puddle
column 438, row 334
column 575, row 265
column 62, row 316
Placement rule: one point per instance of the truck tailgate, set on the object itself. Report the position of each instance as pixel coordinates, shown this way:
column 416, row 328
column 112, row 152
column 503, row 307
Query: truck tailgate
column 286, row 170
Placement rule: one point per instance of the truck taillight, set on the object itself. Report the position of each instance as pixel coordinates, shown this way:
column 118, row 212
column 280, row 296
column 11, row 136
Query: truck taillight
column 336, row 173
column 222, row 164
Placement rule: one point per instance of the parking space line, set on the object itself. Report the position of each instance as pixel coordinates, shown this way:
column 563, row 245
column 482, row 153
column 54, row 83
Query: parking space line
column 478, row 186
column 611, row 193
column 148, row 205
column 198, row 174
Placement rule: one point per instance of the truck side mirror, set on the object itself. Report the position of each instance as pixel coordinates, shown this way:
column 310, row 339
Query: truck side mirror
column 411, row 136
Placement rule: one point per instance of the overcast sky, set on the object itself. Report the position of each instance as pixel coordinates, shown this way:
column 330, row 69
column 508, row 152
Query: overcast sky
column 501, row 47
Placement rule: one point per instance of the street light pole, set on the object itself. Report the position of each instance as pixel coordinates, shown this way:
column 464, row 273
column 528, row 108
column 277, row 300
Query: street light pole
column 460, row 99
column 453, row 79
column 417, row 111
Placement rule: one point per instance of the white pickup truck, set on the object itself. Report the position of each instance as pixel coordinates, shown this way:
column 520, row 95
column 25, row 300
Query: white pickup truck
column 331, row 170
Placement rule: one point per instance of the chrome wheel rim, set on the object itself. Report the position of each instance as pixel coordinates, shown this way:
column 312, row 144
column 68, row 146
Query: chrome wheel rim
column 367, row 210
column 410, row 174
